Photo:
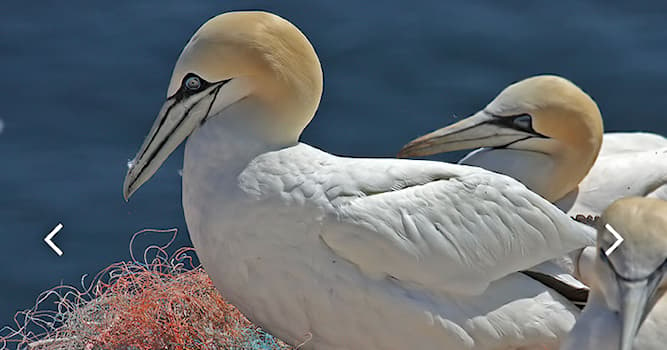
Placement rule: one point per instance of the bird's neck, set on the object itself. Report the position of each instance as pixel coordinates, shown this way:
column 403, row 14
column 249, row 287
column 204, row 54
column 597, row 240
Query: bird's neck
column 597, row 327
column 227, row 142
column 540, row 172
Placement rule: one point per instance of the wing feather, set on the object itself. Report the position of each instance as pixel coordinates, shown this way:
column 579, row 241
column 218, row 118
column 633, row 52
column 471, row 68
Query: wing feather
column 433, row 225
column 450, row 227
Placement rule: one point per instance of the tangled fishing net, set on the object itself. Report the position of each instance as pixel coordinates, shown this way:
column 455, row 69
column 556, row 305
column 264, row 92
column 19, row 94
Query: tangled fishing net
column 164, row 301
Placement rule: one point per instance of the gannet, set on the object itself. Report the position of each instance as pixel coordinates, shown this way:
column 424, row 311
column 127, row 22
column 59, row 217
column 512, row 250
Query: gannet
column 626, row 142
column 627, row 283
column 345, row 253
column 547, row 133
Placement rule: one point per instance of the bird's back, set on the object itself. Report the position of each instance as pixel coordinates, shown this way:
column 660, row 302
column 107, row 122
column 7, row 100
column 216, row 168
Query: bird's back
column 279, row 247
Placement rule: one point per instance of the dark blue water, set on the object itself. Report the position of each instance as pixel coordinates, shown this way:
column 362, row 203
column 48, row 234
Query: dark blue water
column 83, row 80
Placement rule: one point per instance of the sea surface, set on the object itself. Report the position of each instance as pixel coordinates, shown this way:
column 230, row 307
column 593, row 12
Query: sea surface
column 82, row 82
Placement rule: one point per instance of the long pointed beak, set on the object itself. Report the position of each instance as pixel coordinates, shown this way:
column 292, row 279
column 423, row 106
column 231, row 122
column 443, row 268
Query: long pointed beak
column 479, row 130
column 177, row 119
column 637, row 298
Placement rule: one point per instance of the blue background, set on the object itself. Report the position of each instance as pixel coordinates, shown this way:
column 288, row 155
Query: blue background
column 82, row 82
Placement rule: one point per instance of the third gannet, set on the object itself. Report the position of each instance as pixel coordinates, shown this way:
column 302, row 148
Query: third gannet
column 546, row 132
column 345, row 253
column 627, row 283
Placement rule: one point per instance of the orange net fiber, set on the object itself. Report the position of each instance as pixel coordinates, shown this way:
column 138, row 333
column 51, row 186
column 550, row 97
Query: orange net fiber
column 162, row 302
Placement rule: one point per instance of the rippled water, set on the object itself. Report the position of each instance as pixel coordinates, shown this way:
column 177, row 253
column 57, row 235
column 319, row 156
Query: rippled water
column 82, row 82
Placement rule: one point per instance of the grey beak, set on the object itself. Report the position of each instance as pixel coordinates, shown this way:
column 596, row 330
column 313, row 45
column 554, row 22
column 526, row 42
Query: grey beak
column 637, row 298
column 479, row 130
column 177, row 119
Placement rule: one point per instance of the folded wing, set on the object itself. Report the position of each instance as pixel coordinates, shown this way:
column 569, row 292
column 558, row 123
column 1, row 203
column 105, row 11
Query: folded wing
column 443, row 227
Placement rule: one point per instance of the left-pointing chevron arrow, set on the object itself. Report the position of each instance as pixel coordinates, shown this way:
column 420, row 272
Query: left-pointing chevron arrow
column 49, row 237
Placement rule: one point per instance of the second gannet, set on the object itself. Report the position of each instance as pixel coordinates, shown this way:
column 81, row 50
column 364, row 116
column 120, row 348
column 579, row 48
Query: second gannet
column 547, row 133
column 343, row 253
column 630, row 142
column 627, row 283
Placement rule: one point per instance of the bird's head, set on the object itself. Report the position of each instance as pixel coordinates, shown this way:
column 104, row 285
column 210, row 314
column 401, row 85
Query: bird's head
column 545, row 114
column 255, row 57
column 633, row 277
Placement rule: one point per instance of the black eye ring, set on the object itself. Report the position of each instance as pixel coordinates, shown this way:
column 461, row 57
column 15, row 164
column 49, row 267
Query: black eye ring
column 521, row 122
column 192, row 83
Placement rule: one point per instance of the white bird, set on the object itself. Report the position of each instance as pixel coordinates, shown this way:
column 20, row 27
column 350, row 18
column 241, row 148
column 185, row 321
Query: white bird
column 627, row 283
column 623, row 142
column 345, row 253
column 546, row 132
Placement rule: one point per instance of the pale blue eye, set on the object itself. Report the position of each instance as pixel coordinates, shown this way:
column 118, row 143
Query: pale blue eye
column 193, row 83
column 523, row 122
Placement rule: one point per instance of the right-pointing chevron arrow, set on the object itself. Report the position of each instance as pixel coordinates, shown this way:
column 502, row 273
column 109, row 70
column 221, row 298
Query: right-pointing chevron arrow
column 618, row 242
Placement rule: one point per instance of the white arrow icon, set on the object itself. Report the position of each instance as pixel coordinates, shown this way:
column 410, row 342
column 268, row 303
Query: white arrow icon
column 618, row 242
column 50, row 236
